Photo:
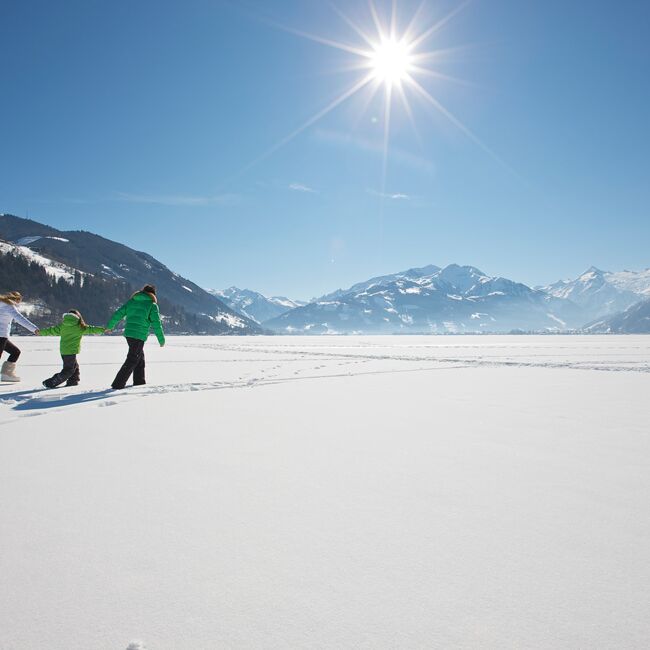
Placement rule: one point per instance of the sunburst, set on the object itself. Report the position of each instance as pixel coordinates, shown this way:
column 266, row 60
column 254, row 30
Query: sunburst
column 389, row 59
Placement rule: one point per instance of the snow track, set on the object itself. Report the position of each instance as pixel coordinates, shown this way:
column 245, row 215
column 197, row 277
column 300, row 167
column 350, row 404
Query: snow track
column 365, row 356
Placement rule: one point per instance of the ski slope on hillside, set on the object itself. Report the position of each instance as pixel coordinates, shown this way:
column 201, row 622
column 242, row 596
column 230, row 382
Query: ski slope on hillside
column 315, row 492
column 54, row 269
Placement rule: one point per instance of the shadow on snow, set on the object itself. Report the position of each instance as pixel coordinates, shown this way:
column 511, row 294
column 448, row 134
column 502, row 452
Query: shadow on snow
column 30, row 400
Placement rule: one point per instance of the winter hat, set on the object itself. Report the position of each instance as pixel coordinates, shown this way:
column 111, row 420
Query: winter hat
column 149, row 288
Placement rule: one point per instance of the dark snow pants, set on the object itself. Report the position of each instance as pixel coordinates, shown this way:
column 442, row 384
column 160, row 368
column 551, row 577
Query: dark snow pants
column 134, row 365
column 69, row 373
column 7, row 346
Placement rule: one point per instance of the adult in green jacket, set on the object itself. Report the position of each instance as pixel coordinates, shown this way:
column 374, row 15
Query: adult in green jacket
column 142, row 315
column 71, row 330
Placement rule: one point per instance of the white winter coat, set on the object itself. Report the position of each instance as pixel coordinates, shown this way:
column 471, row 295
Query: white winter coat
column 8, row 314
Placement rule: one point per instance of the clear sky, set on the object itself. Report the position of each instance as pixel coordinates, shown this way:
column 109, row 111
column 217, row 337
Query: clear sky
column 147, row 122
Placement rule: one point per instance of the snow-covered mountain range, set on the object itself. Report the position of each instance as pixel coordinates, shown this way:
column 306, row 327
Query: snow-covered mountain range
column 451, row 299
column 430, row 299
column 254, row 305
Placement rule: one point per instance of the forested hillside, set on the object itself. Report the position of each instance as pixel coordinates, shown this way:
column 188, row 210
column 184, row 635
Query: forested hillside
column 47, row 297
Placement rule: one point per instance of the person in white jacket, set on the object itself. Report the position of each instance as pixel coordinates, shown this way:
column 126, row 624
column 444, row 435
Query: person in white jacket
column 8, row 314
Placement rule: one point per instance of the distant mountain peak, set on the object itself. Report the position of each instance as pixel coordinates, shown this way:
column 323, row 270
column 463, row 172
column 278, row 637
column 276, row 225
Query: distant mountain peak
column 253, row 304
column 463, row 267
column 602, row 293
column 593, row 270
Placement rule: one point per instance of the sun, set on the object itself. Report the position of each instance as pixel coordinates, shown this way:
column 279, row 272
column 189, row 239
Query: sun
column 391, row 55
column 391, row 61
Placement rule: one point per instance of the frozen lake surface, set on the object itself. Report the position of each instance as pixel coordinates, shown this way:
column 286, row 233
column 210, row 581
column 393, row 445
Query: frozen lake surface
column 353, row 492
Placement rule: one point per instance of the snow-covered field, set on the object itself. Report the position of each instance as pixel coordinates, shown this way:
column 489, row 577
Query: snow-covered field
column 378, row 492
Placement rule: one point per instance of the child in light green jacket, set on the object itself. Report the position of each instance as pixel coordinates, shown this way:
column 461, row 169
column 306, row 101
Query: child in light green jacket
column 71, row 330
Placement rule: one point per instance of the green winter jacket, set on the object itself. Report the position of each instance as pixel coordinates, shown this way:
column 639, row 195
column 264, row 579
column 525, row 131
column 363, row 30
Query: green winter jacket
column 71, row 333
column 142, row 315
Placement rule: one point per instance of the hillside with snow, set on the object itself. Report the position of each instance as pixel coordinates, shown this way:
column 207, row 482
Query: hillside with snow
column 634, row 320
column 72, row 256
column 51, row 267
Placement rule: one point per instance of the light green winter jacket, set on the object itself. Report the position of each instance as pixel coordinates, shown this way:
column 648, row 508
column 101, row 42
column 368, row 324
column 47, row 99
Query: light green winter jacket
column 142, row 315
column 71, row 333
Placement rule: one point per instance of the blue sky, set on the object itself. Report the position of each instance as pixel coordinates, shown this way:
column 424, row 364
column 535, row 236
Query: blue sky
column 147, row 122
